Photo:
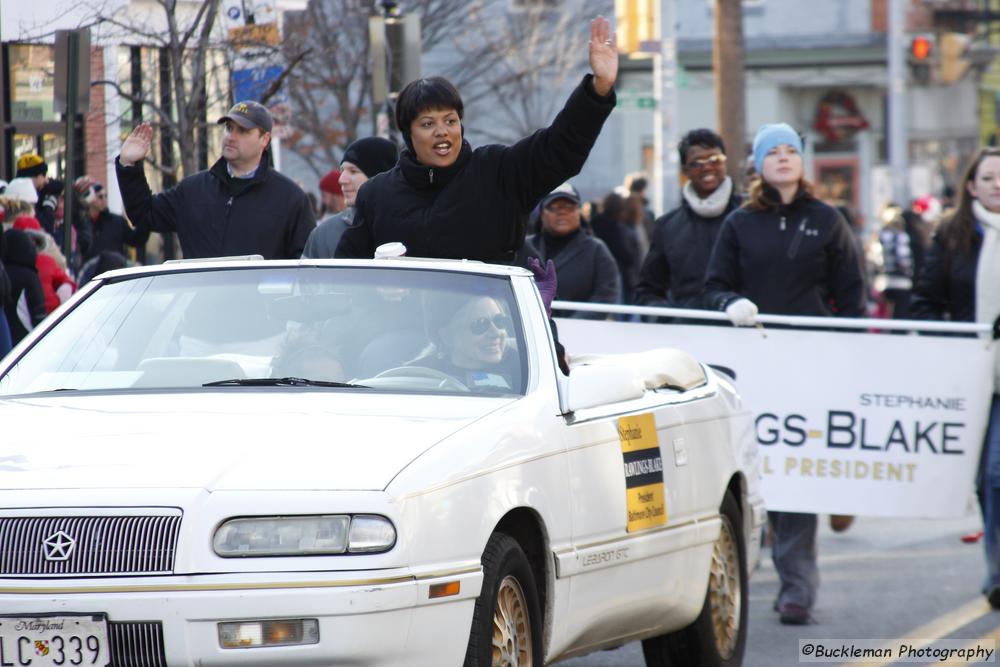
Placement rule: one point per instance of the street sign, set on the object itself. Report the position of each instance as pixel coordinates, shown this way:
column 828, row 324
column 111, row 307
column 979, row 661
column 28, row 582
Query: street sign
column 251, row 83
column 633, row 100
column 236, row 13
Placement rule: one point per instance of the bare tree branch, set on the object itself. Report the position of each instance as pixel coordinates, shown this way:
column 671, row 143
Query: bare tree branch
column 330, row 90
column 275, row 85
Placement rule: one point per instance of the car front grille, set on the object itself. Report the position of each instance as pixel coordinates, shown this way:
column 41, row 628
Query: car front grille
column 83, row 545
column 136, row 644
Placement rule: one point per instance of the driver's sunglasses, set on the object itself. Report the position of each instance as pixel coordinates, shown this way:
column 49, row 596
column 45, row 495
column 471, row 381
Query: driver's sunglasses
column 704, row 163
column 480, row 325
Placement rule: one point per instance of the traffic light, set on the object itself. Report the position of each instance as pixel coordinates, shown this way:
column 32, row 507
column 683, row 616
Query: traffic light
column 921, row 57
column 954, row 63
column 921, row 48
column 635, row 22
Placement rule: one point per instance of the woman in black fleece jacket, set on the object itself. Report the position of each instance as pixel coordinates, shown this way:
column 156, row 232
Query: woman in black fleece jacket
column 786, row 252
column 444, row 199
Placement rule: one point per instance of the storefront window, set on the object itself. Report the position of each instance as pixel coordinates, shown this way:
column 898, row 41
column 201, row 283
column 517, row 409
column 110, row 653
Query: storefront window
column 32, row 78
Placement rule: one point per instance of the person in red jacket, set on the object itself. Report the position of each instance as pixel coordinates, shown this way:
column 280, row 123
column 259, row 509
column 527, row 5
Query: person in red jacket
column 57, row 286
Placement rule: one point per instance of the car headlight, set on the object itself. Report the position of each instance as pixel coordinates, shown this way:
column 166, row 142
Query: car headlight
column 319, row 535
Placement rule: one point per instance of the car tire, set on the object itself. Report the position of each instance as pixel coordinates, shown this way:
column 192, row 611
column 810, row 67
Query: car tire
column 507, row 621
column 717, row 638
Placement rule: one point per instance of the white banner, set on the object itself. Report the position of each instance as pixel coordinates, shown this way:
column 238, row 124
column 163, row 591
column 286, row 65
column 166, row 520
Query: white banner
column 848, row 423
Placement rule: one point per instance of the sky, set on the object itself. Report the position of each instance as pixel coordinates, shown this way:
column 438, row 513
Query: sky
column 22, row 18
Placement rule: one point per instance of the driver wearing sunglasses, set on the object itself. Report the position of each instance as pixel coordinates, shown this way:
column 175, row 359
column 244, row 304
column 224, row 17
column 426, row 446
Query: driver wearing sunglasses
column 474, row 347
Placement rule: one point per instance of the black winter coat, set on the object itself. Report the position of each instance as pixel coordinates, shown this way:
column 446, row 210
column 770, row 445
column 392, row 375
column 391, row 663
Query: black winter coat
column 586, row 271
column 796, row 259
column 673, row 273
column 477, row 208
column 270, row 217
column 26, row 307
column 112, row 232
column 946, row 284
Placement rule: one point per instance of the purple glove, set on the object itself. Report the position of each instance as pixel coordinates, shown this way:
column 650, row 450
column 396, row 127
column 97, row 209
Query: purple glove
column 545, row 281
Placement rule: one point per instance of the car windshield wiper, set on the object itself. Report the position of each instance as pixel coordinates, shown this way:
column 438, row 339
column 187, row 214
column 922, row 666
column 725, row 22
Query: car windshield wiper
column 281, row 382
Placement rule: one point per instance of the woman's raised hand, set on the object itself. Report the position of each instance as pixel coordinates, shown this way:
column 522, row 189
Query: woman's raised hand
column 603, row 55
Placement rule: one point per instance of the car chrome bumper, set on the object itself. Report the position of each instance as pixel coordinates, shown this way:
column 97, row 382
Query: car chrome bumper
column 365, row 618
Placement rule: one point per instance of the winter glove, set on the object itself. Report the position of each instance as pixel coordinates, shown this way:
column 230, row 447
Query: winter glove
column 545, row 281
column 51, row 193
column 742, row 312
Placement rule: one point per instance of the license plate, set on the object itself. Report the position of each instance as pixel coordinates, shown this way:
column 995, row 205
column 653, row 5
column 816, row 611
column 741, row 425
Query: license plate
column 62, row 641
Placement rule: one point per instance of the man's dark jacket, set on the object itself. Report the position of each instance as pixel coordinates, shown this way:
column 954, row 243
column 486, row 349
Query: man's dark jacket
column 476, row 208
column 796, row 259
column 270, row 217
column 112, row 232
column 673, row 273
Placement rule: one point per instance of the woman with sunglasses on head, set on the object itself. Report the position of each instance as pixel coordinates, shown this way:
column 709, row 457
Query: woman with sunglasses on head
column 107, row 231
column 960, row 281
column 788, row 253
column 444, row 199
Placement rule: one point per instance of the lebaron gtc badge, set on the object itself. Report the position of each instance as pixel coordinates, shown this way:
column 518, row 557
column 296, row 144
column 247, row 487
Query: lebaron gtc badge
column 58, row 546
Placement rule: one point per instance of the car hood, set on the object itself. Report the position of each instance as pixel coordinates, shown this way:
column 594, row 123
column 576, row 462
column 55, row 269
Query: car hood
column 228, row 440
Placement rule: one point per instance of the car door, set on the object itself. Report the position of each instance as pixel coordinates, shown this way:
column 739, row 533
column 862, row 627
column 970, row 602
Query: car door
column 636, row 534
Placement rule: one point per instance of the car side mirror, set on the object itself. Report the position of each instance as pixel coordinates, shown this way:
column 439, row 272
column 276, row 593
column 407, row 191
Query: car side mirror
column 590, row 386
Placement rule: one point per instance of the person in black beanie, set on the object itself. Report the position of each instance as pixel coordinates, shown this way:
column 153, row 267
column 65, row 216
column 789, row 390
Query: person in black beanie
column 363, row 159
column 444, row 199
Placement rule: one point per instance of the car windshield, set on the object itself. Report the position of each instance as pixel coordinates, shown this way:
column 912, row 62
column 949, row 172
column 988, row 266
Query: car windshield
column 359, row 329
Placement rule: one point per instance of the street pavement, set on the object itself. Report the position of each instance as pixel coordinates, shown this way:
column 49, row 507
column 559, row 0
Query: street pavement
column 888, row 579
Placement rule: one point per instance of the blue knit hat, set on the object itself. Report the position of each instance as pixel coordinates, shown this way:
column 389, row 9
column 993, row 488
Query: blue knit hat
column 770, row 136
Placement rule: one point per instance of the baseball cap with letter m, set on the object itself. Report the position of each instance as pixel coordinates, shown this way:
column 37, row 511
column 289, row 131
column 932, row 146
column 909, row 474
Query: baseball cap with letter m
column 249, row 115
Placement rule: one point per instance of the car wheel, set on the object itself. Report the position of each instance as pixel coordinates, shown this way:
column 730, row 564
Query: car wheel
column 506, row 623
column 717, row 638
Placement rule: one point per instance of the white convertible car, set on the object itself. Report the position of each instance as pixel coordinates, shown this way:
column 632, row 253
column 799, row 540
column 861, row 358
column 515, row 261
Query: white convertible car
column 240, row 462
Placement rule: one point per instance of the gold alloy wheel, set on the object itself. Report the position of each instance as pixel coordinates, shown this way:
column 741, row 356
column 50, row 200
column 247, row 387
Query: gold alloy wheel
column 724, row 591
column 511, row 626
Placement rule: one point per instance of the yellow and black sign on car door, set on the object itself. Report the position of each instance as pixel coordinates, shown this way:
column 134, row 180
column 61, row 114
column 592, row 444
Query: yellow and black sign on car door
column 646, row 501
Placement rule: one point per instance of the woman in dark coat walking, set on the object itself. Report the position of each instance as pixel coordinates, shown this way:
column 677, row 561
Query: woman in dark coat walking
column 786, row 252
column 960, row 281
column 444, row 199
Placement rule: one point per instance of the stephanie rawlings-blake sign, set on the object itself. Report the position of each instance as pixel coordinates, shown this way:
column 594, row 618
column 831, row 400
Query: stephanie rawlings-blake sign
column 848, row 422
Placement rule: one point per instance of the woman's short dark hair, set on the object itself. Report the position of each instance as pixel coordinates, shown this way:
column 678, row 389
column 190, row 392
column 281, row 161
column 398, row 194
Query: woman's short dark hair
column 700, row 137
column 422, row 95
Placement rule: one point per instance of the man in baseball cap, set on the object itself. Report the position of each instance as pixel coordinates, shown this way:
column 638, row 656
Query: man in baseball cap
column 362, row 160
column 249, row 115
column 265, row 213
